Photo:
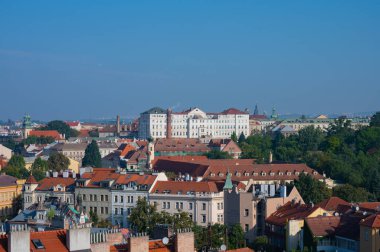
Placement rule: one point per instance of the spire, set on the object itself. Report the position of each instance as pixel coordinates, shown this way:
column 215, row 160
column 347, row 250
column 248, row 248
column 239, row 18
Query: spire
column 228, row 184
column 31, row 180
column 256, row 111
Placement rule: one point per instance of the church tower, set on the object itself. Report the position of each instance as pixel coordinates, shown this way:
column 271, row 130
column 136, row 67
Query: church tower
column 26, row 126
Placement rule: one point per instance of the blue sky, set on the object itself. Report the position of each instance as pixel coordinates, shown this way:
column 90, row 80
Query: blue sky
column 93, row 59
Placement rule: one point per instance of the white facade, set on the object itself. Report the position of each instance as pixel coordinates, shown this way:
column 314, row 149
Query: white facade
column 193, row 123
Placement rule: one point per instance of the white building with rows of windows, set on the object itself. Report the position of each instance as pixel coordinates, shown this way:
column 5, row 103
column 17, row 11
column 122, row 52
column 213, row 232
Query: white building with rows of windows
column 192, row 123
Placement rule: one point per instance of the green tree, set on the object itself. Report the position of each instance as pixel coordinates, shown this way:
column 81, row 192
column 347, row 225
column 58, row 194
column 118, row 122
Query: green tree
column 39, row 168
column 236, row 237
column 261, row 243
column 310, row 138
column 241, row 138
column 38, row 140
column 50, row 214
column 257, row 147
column 217, row 154
column 94, row 218
column 92, row 155
column 218, row 235
column 350, row 193
column 311, row 190
column 143, row 217
column 62, row 128
column 58, row 162
column 375, row 120
column 234, row 137
column 16, row 167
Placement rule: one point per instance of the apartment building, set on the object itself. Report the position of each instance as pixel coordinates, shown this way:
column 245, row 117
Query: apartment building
column 203, row 201
column 10, row 189
column 59, row 186
column 192, row 123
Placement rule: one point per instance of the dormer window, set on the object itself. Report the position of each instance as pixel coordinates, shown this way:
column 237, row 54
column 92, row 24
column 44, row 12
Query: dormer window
column 237, row 174
column 315, row 173
column 246, row 174
column 221, row 174
column 263, row 174
column 272, row 174
column 297, row 173
column 255, row 174
column 288, row 173
column 281, row 173
column 212, row 174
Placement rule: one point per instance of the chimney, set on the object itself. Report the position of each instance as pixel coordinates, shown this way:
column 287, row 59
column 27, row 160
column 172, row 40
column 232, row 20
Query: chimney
column 169, row 123
column 184, row 240
column 139, row 243
column 78, row 239
column 118, row 124
column 19, row 238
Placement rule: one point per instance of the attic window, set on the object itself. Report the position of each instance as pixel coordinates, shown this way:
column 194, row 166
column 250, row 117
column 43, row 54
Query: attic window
column 315, row 173
column 297, row 173
column 255, row 174
column 221, row 174
column 263, row 174
column 288, row 173
column 212, row 174
column 246, row 174
column 238, row 174
column 280, row 173
column 272, row 174
column 38, row 244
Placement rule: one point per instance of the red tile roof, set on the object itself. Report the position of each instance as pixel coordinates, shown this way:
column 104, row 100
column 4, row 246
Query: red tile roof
column 370, row 205
column 333, row 204
column 72, row 124
column 372, row 221
column 46, row 133
column 180, row 144
column 99, row 174
column 31, row 180
column 323, row 225
column 124, row 179
column 233, row 111
column 47, row 183
column 52, row 241
column 182, row 187
column 290, row 211
column 258, row 117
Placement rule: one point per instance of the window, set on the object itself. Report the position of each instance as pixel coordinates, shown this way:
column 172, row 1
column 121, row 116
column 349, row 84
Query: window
column 168, row 205
column 101, row 197
column 131, row 199
column 115, row 199
column 95, row 210
column 116, row 211
column 90, row 197
column 203, row 206
column 101, row 210
column 181, row 205
column 191, row 216
column 106, row 210
column 84, row 197
column 246, row 212
column 121, row 211
column 121, row 199
column 220, row 217
column 106, row 196
column 203, row 218
column 246, row 227
column 190, row 206
column 177, row 205
column 164, row 205
column 95, row 197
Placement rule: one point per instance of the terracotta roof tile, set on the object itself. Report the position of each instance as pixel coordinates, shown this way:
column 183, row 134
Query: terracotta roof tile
column 290, row 211
column 372, row 221
column 333, row 204
column 323, row 225
column 31, row 180
column 46, row 133
column 99, row 174
column 183, row 187
column 47, row 183
column 370, row 205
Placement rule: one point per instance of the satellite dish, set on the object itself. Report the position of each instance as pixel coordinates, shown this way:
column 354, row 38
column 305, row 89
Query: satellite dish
column 165, row 240
column 223, row 247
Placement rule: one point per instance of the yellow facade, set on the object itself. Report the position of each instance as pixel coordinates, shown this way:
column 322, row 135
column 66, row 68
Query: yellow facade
column 8, row 196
